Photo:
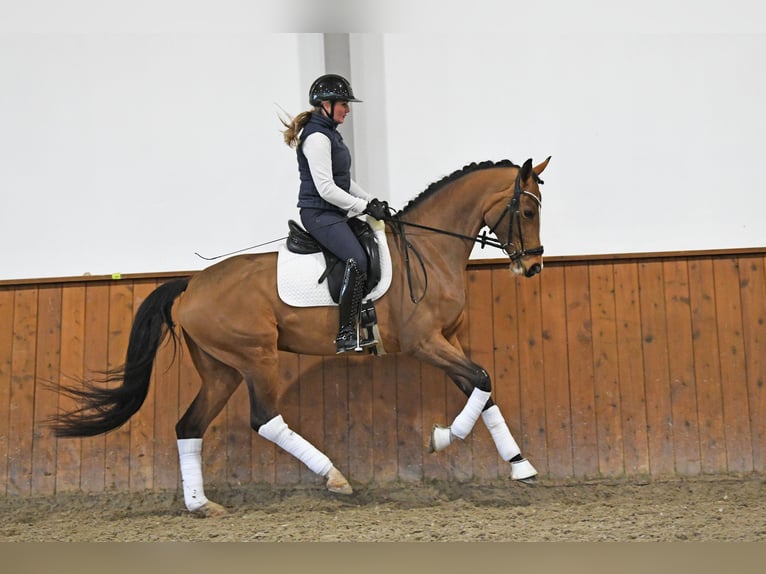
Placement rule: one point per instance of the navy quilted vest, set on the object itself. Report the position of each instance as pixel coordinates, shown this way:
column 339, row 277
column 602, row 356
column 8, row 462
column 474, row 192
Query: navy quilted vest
column 341, row 162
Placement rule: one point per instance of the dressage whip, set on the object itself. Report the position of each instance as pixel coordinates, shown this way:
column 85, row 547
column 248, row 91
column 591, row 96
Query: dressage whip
column 239, row 250
column 213, row 258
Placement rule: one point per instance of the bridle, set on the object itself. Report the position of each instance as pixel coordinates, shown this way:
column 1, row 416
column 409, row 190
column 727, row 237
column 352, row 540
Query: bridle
column 513, row 208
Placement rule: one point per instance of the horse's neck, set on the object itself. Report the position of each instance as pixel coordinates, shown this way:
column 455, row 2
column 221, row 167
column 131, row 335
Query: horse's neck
column 456, row 209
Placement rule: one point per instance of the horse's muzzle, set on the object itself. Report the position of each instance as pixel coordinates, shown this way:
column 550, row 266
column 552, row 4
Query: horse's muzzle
column 518, row 268
column 534, row 270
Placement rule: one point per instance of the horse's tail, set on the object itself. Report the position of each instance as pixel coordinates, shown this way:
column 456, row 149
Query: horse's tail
column 103, row 409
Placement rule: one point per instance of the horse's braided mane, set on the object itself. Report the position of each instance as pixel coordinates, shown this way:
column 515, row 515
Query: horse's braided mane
column 471, row 167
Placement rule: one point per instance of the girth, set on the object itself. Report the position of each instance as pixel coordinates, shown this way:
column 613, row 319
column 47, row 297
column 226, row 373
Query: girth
column 301, row 241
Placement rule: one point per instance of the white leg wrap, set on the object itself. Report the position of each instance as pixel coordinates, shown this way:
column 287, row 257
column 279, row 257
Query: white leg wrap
column 501, row 434
column 190, row 455
column 465, row 420
column 441, row 438
column 277, row 431
column 522, row 470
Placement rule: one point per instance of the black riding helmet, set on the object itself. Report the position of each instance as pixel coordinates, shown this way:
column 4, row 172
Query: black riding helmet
column 331, row 88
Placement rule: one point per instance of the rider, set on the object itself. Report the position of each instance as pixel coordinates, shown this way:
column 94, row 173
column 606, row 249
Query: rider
column 328, row 196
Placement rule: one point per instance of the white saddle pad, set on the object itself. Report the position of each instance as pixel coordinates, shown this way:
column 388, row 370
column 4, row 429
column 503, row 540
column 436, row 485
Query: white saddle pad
column 298, row 275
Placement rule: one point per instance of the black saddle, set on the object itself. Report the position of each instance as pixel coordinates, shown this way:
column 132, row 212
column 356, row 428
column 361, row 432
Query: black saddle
column 301, row 241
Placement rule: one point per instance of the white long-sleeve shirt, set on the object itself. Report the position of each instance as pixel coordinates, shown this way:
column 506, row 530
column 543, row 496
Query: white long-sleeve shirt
column 316, row 148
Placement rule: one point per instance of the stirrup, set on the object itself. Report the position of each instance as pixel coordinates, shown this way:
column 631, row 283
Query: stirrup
column 348, row 341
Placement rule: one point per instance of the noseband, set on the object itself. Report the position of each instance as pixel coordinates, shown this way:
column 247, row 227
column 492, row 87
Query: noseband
column 513, row 209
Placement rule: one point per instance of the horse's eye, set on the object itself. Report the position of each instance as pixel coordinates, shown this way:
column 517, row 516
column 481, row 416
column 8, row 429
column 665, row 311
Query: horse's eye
column 529, row 213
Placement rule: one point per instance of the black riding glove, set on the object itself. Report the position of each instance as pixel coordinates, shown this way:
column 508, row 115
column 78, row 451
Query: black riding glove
column 378, row 209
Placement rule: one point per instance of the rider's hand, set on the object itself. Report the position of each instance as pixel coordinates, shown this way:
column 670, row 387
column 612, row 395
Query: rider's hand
column 378, row 209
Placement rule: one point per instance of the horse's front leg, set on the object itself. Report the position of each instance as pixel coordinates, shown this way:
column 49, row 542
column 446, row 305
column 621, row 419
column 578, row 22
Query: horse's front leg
column 475, row 382
column 507, row 448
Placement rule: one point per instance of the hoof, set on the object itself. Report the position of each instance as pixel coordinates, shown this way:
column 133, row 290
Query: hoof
column 531, row 481
column 441, row 438
column 523, row 471
column 210, row 510
column 337, row 483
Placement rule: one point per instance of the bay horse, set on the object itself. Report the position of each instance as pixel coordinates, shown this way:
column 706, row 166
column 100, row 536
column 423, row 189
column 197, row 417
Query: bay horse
column 233, row 323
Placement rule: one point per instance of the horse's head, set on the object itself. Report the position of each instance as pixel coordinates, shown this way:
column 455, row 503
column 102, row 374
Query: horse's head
column 515, row 220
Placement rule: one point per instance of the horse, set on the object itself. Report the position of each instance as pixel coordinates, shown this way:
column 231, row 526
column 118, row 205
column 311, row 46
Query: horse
column 233, row 323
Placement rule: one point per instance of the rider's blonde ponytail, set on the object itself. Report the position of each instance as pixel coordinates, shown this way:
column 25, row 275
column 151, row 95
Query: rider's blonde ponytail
column 294, row 127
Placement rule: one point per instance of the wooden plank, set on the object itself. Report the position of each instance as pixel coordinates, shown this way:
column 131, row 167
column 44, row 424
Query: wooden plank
column 384, row 420
column 165, row 393
column 336, row 410
column 531, row 373
column 47, row 359
column 409, row 423
column 6, row 360
column 707, row 366
column 739, row 445
column 752, row 276
column 143, row 433
column 631, row 369
column 239, row 437
column 681, row 368
column 481, row 352
column 93, row 470
column 360, row 425
column 434, row 386
column 558, row 412
column 458, row 458
column 312, row 411
column 506, row 383
column 659, row 413
column 214, row 452
column 288, row 468
column 606, row 371
column 21, row 401
column 585, row 459
column 69, row 451
column 118, row 441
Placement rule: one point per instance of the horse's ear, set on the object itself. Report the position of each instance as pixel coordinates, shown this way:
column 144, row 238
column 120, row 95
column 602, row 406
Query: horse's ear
column 538, row 169
column 526, row 170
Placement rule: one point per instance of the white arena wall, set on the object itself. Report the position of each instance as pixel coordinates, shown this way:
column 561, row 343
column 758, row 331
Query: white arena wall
column 130, row 140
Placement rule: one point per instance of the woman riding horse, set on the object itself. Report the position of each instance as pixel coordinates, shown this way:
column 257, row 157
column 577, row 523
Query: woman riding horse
column 328, row 195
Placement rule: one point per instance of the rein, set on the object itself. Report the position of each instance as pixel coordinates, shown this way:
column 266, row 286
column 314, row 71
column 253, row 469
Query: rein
column 512, row 208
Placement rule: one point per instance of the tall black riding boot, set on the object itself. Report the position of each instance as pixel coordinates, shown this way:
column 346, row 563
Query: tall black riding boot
column 350, row 303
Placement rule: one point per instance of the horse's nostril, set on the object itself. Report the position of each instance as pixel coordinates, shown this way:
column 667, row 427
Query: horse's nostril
column 534, row 270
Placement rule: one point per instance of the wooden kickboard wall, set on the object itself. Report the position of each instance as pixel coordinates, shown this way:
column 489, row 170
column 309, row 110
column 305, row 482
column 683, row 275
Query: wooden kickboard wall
column 629, row 366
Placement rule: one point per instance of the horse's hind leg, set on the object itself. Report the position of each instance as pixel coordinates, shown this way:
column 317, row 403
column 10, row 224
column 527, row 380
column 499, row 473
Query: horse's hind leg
column 277, row 431
column 219, row 381
column 265, row 390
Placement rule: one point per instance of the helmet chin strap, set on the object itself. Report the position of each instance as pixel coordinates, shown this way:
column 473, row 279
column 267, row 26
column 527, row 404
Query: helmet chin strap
column 331, row 113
